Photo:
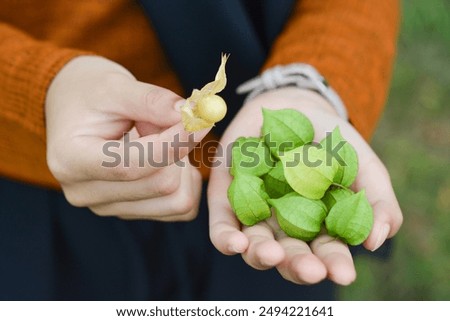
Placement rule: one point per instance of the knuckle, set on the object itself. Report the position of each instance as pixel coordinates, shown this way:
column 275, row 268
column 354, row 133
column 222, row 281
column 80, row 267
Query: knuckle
column 183, row 204
column 75, row 199
column 397, row 222
column 169, row 184
column 154, row 96
column 190, row 216
column 58, row 168
column 400, row 221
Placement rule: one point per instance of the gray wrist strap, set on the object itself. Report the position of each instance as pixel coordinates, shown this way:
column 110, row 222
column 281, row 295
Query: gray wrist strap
column 301, row 75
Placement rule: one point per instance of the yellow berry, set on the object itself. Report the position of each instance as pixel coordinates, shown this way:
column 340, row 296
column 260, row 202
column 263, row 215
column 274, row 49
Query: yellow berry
column 211, row 108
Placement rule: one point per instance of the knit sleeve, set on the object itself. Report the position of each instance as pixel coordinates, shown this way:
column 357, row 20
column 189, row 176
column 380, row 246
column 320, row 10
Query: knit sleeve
column 27, row 67
column 352, row 44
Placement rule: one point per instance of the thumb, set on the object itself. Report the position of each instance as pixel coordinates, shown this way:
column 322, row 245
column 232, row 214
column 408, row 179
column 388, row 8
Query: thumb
column 150, row 104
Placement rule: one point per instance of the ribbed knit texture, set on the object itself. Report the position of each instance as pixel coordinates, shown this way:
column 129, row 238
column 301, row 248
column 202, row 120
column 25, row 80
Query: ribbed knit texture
column 351, row 42
column 26, row 70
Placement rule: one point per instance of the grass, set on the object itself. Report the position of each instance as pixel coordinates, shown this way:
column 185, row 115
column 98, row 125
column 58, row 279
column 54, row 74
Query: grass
column 413, row 139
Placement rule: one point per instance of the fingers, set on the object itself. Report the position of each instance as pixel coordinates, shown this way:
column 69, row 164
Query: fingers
column 148, row 103
column 300, row 265
column 182, row 205
column 264, row 251
column 224, row 228
column 93, row 149
column 295, row 260
column 374, row 178
column 192, row 214
column 162, row 183
column 91, row 103
column 92, row 158
column 336, row 257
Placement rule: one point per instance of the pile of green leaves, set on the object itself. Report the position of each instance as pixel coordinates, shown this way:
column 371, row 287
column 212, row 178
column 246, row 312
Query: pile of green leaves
column 307, row 184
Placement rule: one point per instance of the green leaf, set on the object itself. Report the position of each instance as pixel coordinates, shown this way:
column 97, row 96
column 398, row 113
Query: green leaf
column 275, row 182
column 344, row 154
column 248, row 199
column 351, row 219
column 335, row 195
column 298, row 216
column 308, row 170
column 250, row 155
column 285, row 129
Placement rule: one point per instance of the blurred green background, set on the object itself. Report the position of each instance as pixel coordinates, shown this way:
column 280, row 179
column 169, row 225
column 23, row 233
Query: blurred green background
column 413, row 139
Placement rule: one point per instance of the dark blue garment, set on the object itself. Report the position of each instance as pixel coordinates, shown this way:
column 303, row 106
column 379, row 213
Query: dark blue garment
column 193, row 34
column 50, row 250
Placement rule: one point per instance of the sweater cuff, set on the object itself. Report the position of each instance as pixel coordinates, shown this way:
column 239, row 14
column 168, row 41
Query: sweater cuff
column 352, row 44
column 28, row 70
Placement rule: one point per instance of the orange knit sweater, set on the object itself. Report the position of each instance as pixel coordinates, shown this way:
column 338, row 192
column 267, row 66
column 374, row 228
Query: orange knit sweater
column 351, row 42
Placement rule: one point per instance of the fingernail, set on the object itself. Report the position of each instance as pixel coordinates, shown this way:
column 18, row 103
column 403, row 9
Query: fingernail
column 178, row 105
column 382, row 235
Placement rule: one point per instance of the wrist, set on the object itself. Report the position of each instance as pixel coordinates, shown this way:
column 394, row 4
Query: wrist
column 81, row 72
column 300, row 75
column 83, row 68
column 293, row 97
column 92, row 65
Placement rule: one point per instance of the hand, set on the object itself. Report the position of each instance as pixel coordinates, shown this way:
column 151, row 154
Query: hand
column 90, row 104
column 264, row 245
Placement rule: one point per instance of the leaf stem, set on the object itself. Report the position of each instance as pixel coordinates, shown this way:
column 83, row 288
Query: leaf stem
column 343, row 187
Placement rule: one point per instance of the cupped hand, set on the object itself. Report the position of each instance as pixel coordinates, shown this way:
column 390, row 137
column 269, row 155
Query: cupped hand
column 264, row 245
column 144, row 174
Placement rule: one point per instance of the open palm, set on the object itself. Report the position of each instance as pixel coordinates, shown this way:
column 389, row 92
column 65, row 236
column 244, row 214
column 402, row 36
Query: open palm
column 264, row 245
